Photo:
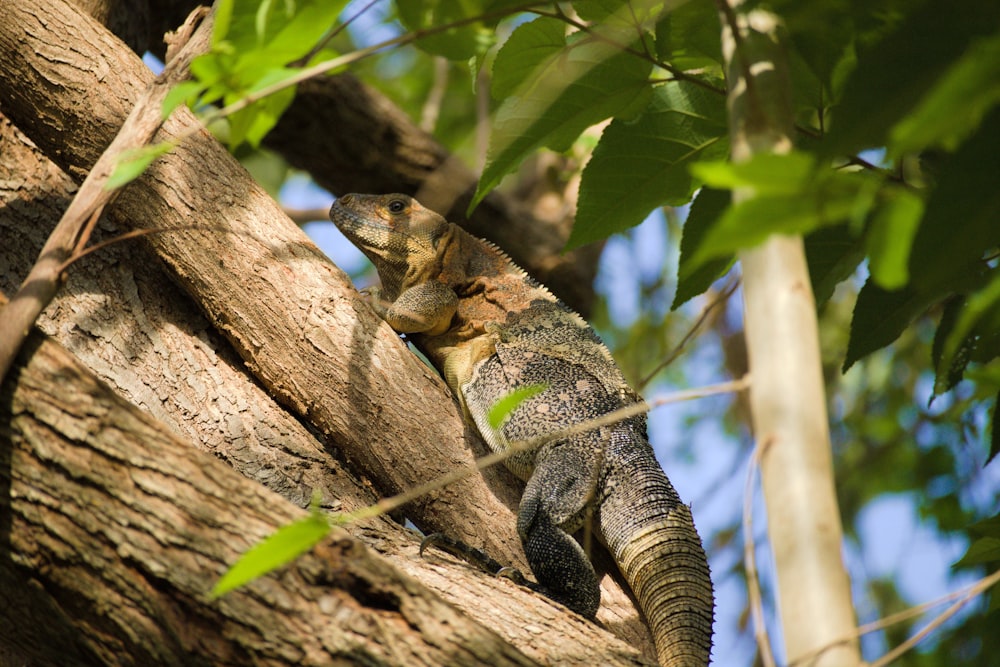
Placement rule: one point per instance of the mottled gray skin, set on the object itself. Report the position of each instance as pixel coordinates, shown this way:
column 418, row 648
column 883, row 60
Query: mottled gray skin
column 490, row 329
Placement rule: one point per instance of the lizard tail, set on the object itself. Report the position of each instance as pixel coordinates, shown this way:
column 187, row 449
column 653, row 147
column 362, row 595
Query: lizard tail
column 659, row 552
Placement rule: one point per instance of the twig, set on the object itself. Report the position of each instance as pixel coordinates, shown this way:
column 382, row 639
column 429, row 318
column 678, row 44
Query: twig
column 678, row 74
column 73, row 230
column 679, row 348
column 750, row 563
column 964, row 595
column 393, row 503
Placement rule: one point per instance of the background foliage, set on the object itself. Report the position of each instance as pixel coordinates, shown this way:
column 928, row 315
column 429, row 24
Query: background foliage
column 893, row 182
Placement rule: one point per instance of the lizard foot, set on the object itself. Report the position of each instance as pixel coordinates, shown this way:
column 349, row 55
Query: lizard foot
column 470, row 555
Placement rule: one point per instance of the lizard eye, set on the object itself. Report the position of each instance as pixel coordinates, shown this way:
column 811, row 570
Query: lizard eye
column 397, row 206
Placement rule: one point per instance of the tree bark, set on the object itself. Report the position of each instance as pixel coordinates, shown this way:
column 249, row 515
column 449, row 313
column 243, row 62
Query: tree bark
column 294, row 318
column 127, row 585
column 787, row 398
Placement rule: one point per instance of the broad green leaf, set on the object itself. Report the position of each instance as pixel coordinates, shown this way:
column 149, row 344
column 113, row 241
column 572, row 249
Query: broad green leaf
column 983, row 550
column 764, row 174
column 833, row 254
column 707, row 208
column 185, row 92
column 828, row 201
column 891, row 235
column 880, row 316
column 458, row 43
column 956, row 104
column 894, row 73
column 946, row 378
column 583, row 83
column 977, row 318
column 527, row 48
column 688, row 37
column 643, row 164
column 960, row 224
column 132, row 163
column 506, row 405
column 280, row 548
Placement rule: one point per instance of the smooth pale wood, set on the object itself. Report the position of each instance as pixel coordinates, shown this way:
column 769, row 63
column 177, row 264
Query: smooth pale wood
column 787, row 397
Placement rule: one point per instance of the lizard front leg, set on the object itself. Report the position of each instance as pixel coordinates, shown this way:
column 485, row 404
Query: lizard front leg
column 425, row 308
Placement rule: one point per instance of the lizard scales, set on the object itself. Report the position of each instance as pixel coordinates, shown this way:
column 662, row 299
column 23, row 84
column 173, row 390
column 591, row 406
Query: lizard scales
column 489, row 328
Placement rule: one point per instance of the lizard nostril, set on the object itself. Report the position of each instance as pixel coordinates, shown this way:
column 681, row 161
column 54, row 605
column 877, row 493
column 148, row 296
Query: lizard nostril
column 346, row 199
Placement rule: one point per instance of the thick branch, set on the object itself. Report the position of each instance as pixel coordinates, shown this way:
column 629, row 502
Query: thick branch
column 294, row 318
column 127, row 583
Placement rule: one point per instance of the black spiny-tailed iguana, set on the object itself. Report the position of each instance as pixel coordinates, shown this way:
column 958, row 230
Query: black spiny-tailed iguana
column 490, row 329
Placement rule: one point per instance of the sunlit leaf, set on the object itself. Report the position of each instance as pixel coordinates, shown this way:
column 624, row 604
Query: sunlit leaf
column 891, row 235
column 893, row 74
column 643, row 164
column 956, row 104
column 587, row 81
column 280, row 548
column 132, row 163
column 506, row 405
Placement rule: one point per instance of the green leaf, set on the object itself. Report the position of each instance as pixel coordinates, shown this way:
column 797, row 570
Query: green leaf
column 707, row 208
column 459, row 43
column 185, row 92
column 977, row 318
column 282, row 547
column 132, row 163
column 764, row 174
column 956, row 104
column 506, row 405
column 688, row 37
column 833, row 254
column 643, row 164
column 583, row 83
column 880, row 316
column 983, row 550
column 891, row 235
column 894, row 74
column 255, row 121
column 750, row 222
column 960, row 222
column 946, row 378
column 530, row 45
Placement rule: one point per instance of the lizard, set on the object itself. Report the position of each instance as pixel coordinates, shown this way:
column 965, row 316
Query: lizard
column 489, row 328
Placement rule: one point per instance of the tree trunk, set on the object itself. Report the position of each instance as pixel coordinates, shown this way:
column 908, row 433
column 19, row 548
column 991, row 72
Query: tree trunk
column 293, row 317
column 787, row 398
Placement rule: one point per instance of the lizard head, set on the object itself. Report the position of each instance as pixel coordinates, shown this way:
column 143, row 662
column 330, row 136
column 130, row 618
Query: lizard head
column 397, row 234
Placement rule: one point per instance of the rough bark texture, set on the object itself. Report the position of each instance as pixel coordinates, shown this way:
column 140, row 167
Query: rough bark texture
column 787, row 398
column 127, row 585
column 293, row 317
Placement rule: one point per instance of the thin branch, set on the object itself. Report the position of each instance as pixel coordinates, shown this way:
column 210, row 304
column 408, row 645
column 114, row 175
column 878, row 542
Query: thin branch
column 678, row 74
column 702, row 317
column 750, row 562
column 73, row 230
column 963, row 595
column 391, row 504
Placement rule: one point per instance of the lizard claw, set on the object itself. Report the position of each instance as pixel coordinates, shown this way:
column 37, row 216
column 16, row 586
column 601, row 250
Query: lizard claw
column 514, row 575
column 461, row 550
